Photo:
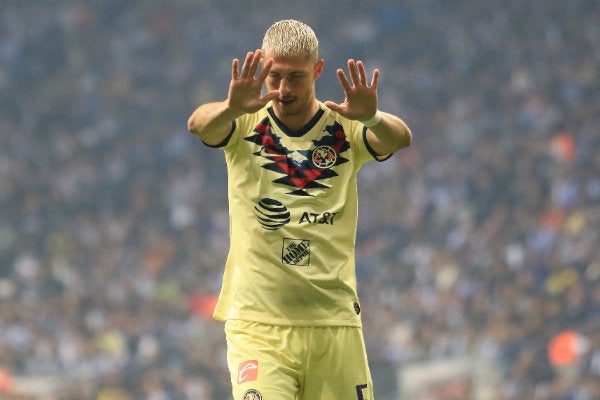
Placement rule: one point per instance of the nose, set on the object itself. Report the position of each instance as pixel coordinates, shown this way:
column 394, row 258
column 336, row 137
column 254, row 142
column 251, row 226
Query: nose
column 284, row 87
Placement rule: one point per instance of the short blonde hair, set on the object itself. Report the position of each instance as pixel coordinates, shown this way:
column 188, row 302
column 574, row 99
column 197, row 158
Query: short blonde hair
column 289, row 38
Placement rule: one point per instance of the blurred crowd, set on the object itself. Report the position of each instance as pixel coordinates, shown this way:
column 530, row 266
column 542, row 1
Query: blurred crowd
column 481, row 239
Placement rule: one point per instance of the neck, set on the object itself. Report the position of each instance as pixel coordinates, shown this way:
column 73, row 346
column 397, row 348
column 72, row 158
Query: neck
column 297, row 121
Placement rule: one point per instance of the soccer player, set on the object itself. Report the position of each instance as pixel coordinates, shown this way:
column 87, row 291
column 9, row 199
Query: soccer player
column 288, row 298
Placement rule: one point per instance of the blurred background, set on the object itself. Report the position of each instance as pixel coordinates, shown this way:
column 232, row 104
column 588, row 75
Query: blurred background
column 478, row 247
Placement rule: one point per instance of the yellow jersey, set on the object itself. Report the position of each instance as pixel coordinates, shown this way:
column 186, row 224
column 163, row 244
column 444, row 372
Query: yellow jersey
column 293, row 211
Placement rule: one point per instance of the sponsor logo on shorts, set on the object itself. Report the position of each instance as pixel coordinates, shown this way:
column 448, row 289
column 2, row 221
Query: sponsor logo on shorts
column 252, row 394
column 247, row 371
column 296, row 252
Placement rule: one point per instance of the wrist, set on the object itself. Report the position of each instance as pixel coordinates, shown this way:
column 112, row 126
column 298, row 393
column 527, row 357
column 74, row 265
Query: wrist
column 374, row 120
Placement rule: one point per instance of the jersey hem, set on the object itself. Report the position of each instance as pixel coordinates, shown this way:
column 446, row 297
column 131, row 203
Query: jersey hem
column 286, row 322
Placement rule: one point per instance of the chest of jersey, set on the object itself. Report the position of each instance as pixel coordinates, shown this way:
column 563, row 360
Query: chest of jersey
column 308, row 166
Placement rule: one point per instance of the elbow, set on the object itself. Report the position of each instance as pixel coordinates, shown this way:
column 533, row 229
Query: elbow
column 408, row 137
column 403, row 136
column 404, row 139
column 193, row 126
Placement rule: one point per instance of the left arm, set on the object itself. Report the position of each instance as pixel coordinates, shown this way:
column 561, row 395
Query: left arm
column 389, row 134
column 386, row 132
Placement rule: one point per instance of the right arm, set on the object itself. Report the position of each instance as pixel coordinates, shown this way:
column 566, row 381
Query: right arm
column 212, row 122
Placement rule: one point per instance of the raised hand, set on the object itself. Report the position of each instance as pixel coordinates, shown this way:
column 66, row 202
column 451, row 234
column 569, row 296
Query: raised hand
column 245, row 88
column 360, row 101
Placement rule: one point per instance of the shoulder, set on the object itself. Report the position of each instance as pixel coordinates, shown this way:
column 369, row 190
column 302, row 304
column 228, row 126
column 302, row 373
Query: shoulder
column 353, row 130
column 355, row 133
column 243, row 126
column 333, row 116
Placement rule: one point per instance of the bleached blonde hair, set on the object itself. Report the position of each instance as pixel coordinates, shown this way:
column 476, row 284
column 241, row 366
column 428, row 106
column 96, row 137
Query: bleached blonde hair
column 289, row 38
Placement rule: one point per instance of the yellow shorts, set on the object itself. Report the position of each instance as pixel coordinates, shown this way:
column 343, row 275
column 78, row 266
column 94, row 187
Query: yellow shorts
column 271, row 362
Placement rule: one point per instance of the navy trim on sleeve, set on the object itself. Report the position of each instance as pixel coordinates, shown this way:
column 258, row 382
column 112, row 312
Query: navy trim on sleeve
column 376, row 156
column 226, row 140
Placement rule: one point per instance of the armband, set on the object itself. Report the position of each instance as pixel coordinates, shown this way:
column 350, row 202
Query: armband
column 374, row 120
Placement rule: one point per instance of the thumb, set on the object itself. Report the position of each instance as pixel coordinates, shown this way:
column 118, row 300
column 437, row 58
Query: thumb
column 332, row 105
column 272, row 95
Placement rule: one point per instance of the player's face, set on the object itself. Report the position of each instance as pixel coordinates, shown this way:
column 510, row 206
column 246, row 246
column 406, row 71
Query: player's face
column 295, row 78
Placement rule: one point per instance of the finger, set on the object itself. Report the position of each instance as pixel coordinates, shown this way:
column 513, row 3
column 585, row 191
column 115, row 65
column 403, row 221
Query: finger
column 254, row 65
column 234, row 69
column 343, row 80
column 353, row 71
column 362, row 74
column 247, row 62
column 272, row 95
column 332, row 105
column 375, row 78
column 265, row 70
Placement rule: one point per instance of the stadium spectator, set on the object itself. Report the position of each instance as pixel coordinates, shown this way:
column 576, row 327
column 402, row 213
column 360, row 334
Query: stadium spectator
column 113, row 220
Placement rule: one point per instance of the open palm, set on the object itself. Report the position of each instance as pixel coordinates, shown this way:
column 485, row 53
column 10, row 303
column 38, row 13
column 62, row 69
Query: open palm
column 245, row 88
column 360, row 102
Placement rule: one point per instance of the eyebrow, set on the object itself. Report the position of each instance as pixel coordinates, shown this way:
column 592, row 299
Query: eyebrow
column 297, row 72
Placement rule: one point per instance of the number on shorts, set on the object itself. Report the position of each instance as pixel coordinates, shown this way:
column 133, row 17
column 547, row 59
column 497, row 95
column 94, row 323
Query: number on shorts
column 359, row 391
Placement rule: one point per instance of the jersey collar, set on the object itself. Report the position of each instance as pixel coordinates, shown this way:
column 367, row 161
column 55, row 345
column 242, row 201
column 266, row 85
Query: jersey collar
column 309, row 125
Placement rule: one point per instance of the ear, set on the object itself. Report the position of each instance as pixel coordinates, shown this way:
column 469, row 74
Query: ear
column 318, row 68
